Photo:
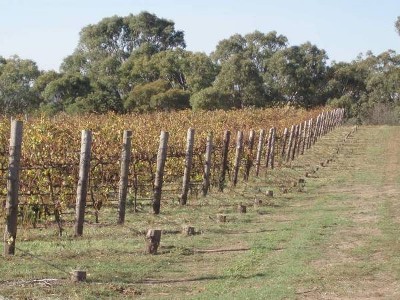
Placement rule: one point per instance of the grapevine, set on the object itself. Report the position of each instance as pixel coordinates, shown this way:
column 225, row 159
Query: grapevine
column 50, row 150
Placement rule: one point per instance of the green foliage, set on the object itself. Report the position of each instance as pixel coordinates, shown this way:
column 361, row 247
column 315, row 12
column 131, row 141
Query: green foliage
column 140, row 96
column 17, row 76
column 240, row 80
column 98, row 102
column 210, row 99
column 256, row 46
column 171, row 99
column 199, row 71
column 368, row 87
column 118, row 37
column 299, row 74
column 139, row 63
column 114, row 49
column 156, row 95
column 64, row 92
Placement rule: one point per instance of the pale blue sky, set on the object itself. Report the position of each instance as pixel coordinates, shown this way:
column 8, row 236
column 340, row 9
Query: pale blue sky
column 46, row 31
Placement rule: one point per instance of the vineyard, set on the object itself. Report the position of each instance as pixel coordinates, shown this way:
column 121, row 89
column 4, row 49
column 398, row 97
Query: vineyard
column 261, row 168
column 50, row 153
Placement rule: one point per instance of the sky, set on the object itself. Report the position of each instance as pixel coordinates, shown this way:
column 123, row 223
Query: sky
column 47, row 31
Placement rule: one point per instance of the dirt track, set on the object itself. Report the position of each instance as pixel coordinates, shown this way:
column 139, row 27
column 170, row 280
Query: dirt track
column 362, row 258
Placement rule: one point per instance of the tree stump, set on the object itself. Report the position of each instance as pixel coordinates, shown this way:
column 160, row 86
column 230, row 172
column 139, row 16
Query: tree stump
column 221, row 218
column 78, row 275
column 270, row 193
column 257, row 202
column 188, row 230
column 241, row 209
column 153, row 238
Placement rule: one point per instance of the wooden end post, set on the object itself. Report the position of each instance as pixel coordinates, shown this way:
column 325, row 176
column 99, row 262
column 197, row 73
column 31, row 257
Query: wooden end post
column 83, row 182
column 158, row 181
column 10, row 232
column 123, row 182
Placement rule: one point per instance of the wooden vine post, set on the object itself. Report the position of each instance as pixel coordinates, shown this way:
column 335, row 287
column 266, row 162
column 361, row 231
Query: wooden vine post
column 224, row 163
column 327, row 121
column 284, row 141
column 238, row 156
column 272, row 154
column 123, row 182
column 249, row 158
column 259, row 150
column 315, row 130
column 341, row 118
column 290, row 143
column 295, row 141
column 158, row 181
column 310, row 132
column 188, row 166
column 304, row 138
column 83, row 182
column 325, row 124
column 299, row 139
column 10, row 232
column 207, row 164
column 334, row 116
column 269, row 148
column 321, row 125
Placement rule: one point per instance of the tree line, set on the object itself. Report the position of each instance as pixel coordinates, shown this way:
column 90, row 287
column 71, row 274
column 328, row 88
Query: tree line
column 138, row 63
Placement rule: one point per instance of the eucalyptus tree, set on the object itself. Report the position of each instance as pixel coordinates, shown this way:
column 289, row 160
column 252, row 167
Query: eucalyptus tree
column 241, row 81
column 156, row 95
column 259, row 49
column 173, row 74
column 104, row 48
column 256, row 46
column 365, row 84
column 210, row 99
column 299, row 75
column 118, row 37
column 61, row 93
column 17, row 78
column 383, row 81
